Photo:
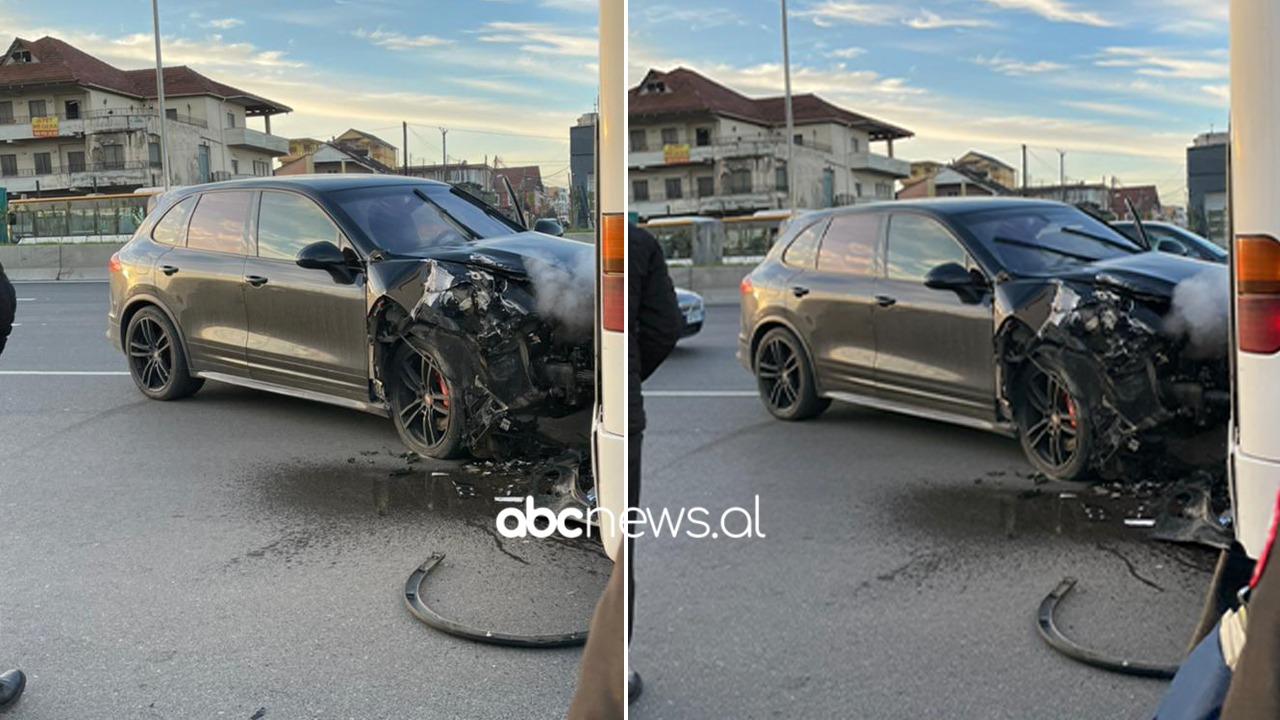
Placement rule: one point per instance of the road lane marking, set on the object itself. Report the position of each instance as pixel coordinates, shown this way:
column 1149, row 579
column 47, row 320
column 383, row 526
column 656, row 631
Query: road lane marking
column 26, row 299
column 88, row 373
column 701, row 393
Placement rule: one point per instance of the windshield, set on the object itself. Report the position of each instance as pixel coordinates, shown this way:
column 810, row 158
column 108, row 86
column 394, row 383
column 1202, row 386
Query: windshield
column 414, row 220
column 1046, row 238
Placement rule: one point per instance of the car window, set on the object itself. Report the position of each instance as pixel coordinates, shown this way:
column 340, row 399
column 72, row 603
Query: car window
column 803, row 251
column 918, row 244
column 413, row 219
column 220, row 222
column 1039, row 239
column 288, row 222
column 849, row 245
column 172, row 228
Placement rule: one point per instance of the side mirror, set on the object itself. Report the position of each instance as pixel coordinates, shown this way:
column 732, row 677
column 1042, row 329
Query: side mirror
column 548, row 226
column 324, row 255
column 1172, row 247
column 320, row 256
column 949, row 276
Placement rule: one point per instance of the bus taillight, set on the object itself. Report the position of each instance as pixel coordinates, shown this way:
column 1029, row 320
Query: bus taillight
column 1258, row 294
column 613, row 267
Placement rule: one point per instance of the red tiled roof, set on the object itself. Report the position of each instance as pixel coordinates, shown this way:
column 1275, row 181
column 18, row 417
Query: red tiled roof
column 1145, row 198
column 58, row 62
column 688, row 93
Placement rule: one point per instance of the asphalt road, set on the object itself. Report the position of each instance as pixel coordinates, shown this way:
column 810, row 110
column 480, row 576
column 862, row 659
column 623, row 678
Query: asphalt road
column 901, row 569
column 239, row 551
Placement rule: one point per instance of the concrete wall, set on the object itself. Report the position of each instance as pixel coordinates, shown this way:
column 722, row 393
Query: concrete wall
column 57, row 262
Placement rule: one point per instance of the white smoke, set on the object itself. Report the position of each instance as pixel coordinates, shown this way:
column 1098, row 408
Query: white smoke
column 566, row 293
column 1200, row 310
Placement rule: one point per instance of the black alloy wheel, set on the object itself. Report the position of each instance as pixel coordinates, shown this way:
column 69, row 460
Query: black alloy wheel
column 784, row 378
column 426, row 410
column 1053, row 422
column 156, row 359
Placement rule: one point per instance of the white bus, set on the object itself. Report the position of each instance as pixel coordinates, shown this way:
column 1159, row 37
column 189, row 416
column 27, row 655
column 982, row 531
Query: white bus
column 1255, row 264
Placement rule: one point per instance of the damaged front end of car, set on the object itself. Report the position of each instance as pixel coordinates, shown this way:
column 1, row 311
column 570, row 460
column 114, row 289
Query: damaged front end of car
column 1157, row 391
column 516, row 365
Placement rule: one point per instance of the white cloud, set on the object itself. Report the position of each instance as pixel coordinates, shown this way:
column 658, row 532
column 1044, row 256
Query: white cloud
column 928, row 20
column 830, row 12
column 541, row 38
column 695, row 18
column 224, row 23
column 1010, row 66
column 1116, row 109
column 1156, row 62
column 849, row 52
column 1220, row 93
column 399, row 41
column 1055, row 10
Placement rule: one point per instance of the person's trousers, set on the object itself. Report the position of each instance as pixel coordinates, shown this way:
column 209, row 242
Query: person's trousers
column 634, row 442
column 1255, row 687
column 602, row 687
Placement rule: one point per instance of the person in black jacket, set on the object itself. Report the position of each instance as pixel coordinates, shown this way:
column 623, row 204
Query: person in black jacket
column 654, row 324
column 12, row 682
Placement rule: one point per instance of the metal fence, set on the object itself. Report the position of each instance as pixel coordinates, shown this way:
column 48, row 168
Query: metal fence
column 103, row 218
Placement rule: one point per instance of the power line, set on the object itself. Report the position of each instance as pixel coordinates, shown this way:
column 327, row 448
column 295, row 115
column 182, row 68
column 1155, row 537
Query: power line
column 506, row 134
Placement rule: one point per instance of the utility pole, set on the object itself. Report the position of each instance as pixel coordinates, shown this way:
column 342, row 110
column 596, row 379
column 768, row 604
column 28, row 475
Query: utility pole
column 164, row 117
column 791, row 123
column 1062, row 173
column 444, row 154
column 404, row 129
column 1024, row 168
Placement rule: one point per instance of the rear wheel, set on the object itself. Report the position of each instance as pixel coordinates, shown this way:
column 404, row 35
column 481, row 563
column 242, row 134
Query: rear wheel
column 785, row 379
column 157, row 362
column 425, row 404
column 1054, row 423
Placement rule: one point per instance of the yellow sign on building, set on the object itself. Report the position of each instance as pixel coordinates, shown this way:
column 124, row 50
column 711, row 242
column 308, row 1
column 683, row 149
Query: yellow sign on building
column 44, row 126
column 675, row 153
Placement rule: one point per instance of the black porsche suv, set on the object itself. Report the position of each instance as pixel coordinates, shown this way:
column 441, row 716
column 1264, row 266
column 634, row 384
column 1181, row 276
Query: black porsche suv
column 1025, row 317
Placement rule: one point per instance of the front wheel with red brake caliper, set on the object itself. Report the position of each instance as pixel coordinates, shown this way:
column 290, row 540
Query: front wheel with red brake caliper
column 425, row 403
column 1054, row 422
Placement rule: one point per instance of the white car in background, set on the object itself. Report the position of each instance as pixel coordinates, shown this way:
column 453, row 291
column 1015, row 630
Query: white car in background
column 693, row 310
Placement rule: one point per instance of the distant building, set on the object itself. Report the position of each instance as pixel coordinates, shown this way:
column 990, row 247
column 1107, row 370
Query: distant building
column 698, row 147
column 527, row 183
column 475, row 178
column 1207, row 186
column 330, row 157
column 72, row 124
column 359, row 142
column 1095, row 196
column 582, row 168
column 1145, row 199
column 989, row 169
column 948, row 181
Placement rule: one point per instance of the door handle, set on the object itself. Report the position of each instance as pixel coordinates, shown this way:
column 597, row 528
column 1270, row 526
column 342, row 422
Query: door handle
column 169, row 270
column 255, row 280
column 885, row 300
column 799, row 291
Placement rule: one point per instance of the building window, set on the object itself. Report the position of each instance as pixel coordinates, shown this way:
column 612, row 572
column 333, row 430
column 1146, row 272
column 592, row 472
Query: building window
column 639, row 141
column 674, row 189
column 857, row 145
column 75, row 161
column 706, row 186
column 883, row 190
column 171, row 113
column 260, row 168
column 6, row 112
column 37, row 108
column 21, row 56
column 235, row 166
column 780, row 179
column 739, row 182
column 798, row 140
column 72, row 108
column 231, row 120
column 113, row 157
column 702, row 137
column 44, row 163
column 8, row 165
column 857, row 189
column 670, row 136
column 640, row 190
column 153, row 154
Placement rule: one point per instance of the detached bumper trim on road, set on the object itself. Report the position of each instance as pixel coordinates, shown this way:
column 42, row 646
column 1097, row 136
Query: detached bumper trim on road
column 78, row 373
column 701, row 393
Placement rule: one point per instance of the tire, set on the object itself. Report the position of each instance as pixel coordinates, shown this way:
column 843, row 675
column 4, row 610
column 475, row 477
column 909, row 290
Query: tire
column 157, row 361
column 1055, row 427
column 422, row 385
column 784, row 377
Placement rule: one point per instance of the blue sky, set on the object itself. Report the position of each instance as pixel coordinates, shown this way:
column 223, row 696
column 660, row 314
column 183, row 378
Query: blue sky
column 506, row 77
column 1121, row 86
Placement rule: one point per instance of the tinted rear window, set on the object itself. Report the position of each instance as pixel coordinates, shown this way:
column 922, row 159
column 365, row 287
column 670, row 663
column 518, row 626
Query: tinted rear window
column 172, row 228
column 803, row 251
column 850, row 244
column 412, row 220
column 918, row 244
column 288, row 222
column 220, row 222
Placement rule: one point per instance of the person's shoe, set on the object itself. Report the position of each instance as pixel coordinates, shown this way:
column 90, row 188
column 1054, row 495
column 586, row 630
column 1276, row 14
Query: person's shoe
column 11, row 686
column 635, row 686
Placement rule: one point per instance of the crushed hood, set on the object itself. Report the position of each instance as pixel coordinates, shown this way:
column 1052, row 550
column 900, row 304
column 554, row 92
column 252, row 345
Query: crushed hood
column 511, row 254
column 1149, row 274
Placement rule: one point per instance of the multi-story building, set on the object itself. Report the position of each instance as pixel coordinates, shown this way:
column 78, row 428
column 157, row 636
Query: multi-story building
column 582, row 169
column 330, row 157
column 1207, row 186
column 698, row 147
column 364, row 144
column 72, row 124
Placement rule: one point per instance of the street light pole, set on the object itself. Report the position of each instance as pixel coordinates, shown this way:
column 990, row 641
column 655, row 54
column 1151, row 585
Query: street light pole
column 791, row 123
column 164, row 118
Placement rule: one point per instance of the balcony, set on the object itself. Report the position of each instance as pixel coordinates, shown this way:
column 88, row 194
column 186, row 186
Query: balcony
column 84, row 177
column 256, row 140
column 19, row 127
column 880, row 164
